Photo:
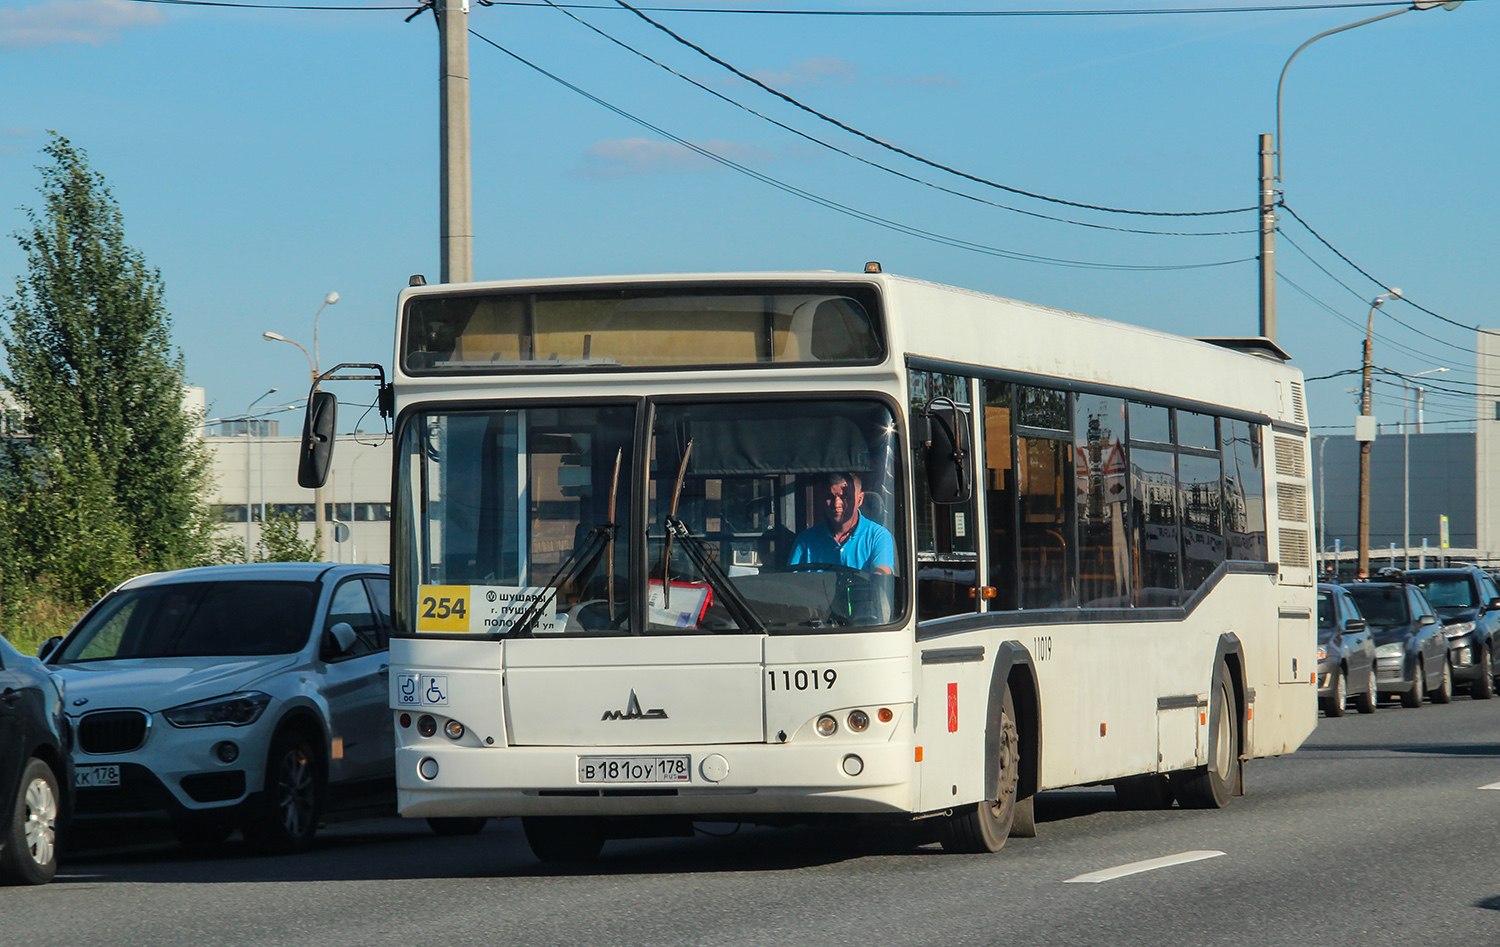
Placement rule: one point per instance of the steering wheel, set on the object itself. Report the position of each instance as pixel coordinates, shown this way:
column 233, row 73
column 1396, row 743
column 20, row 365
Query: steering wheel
column 860, row 587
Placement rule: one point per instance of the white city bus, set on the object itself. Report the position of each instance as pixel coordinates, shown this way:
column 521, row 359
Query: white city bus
column 623, row 604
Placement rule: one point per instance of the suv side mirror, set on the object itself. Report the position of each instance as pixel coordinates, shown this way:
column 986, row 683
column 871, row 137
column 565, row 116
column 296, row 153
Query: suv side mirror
column 317, row 439
column 1493, row 604
column 48, row 647
column 1427, row 620
column 340, row 638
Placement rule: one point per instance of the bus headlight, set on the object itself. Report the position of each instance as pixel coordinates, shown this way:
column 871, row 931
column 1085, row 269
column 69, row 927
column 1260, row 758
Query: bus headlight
column 827, row 726
column 858, row 720
column 454, row 729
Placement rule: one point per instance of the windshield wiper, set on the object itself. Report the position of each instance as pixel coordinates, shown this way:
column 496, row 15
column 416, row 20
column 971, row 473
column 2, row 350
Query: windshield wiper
column 599, row 539
column 718, row 579
column 585, row 555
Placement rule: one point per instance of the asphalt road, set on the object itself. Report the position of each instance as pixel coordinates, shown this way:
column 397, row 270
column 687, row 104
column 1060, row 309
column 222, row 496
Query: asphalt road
column 1376, row 832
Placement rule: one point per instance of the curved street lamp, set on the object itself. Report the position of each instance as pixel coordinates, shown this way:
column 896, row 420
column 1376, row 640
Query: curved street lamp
column 1271, row 148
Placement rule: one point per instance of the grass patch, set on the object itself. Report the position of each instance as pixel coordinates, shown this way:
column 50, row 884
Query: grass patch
column 32, row 614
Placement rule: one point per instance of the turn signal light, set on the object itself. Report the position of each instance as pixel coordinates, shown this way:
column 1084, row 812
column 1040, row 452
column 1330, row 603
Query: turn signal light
column 885, row 715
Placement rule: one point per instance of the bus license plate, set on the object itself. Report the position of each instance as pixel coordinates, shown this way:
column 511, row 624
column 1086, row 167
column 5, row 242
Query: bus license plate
column 634, row 769
column 92, row 777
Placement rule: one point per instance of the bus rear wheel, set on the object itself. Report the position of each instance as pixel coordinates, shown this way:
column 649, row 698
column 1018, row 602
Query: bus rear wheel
column 984, row 827
column 1209, row 787
column 563, row 839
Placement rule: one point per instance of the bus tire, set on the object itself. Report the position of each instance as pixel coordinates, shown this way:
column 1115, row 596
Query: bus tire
column 1210, row 786
column 984, row 827
column 561, row 839
column 1024, row 824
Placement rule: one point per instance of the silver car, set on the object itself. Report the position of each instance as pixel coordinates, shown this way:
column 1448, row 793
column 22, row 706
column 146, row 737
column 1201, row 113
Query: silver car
column 250, row 697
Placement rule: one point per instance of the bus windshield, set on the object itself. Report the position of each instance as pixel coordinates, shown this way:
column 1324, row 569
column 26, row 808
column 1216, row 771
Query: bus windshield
column 763, row 516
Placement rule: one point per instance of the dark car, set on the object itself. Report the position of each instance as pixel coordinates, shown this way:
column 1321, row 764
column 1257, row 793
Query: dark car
column 36, row 777
column 1411, row 653
column 1468, row 603
column 1346, row 654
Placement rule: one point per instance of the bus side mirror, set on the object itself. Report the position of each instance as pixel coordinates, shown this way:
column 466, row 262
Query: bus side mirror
column 948, row 479
column 317, row 440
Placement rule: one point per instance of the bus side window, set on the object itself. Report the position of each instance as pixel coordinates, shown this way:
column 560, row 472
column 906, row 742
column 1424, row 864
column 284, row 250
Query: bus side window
column 947, row 551
column 999, row 486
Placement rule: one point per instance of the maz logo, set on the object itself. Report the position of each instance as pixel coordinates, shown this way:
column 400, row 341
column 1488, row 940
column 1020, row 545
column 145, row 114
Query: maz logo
column 633, row 711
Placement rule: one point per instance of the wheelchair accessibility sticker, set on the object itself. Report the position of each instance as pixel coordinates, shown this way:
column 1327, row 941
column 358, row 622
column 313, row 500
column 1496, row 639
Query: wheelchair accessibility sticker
column 416, row 690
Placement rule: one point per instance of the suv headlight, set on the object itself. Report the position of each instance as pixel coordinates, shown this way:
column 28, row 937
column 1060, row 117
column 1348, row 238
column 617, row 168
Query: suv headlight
column 235, row 710
column 1322, row 652
column 1393, row 650
column 1457, row 629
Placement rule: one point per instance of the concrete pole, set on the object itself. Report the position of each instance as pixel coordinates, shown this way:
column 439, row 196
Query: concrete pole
column 457, row 244
column 1364, row 457
column 1267, row 239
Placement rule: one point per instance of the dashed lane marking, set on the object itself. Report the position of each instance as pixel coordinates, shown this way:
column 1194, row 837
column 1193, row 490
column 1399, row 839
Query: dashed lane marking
column 1135, row 868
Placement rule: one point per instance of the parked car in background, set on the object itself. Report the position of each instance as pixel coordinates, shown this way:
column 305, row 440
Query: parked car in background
column 250, row 697
column 35, row 773
column 1467, row 602
column 1346, row 654
column 1411, row 653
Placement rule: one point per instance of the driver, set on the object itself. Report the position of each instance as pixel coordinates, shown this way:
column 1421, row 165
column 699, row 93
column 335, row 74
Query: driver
column 845, row 537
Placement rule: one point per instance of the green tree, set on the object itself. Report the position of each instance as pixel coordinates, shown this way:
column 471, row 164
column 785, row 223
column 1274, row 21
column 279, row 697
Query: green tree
column 110, row 476
column 279, row 541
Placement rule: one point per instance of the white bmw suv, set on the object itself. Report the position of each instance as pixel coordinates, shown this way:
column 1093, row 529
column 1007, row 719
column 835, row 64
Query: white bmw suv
column 250, row 697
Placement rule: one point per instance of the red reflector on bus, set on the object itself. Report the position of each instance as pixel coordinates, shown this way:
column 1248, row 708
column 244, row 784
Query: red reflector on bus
column 953, row 708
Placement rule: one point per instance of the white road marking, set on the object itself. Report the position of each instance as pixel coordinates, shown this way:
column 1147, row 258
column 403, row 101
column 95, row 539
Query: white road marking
column 1135, row 868
column 1491, row 786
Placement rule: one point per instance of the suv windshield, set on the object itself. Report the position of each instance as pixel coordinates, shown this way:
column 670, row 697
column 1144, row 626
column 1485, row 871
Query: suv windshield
column 517, row 521
column 1383, row 605
column 1448, row 591
column 208, row 619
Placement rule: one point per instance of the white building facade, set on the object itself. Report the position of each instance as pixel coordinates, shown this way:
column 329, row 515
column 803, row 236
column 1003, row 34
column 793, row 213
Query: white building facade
column 255, row 477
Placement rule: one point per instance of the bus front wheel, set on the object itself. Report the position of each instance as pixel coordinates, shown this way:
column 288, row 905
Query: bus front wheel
column 1209, row 787
column 984, row 827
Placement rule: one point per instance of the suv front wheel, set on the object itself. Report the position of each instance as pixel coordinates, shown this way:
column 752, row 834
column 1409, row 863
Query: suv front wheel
column 293, row 798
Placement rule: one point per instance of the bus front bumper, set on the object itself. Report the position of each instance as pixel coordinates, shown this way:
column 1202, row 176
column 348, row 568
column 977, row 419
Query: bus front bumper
column 436, row 780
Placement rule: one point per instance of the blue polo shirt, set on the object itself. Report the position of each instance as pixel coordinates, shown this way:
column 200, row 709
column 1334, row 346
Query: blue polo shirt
column 869, row 545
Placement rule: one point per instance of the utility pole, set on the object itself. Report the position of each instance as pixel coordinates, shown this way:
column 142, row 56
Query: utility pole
column 457, row 224
column 1267, row 239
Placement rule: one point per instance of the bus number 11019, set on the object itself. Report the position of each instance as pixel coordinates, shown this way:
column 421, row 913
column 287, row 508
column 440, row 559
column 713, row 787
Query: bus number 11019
column 802, row 680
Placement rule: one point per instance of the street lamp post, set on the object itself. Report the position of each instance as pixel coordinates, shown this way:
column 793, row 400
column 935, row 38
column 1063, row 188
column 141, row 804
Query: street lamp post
column 1406, row 458
column 319, row 520
column 1270, row 148
column 1364, row 432
column 250, row 439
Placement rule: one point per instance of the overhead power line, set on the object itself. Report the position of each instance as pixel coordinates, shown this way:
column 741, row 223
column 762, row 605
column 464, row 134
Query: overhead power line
column 844, row 208
column 871, row 163
column 1182, row 11
column 912, row 155
column 1366, row 274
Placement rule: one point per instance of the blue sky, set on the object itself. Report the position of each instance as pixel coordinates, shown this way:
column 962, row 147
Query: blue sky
column 263, row 158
